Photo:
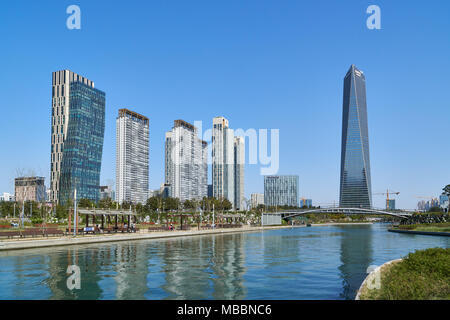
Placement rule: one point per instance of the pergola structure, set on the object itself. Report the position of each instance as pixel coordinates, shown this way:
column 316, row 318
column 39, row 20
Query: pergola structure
column 107, row 215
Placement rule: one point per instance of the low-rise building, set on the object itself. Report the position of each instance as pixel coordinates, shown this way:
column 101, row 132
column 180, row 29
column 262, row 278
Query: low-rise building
column 30, row 189
column 6, row 197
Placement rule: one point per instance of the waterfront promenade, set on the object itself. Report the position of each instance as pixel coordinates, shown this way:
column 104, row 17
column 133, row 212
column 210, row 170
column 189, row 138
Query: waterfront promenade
column 18, row 244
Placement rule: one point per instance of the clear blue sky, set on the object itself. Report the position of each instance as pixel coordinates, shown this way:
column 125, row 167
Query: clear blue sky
column 261, row 64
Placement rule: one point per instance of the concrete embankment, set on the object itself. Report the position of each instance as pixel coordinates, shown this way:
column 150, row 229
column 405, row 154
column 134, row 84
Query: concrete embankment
column 68, row 241
column 374, row 278
column 424, row 233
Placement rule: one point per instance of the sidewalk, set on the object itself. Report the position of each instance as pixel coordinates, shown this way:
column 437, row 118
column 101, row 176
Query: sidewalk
column 19, row 244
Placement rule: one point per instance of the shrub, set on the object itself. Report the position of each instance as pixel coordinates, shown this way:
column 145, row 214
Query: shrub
column 422, row 275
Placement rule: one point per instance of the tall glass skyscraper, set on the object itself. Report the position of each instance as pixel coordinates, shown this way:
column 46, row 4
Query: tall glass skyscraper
column 356, row 187
column 83, row 145
column 281, row 191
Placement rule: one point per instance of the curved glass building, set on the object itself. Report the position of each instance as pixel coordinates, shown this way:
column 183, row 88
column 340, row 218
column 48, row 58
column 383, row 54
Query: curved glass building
column 355, row 186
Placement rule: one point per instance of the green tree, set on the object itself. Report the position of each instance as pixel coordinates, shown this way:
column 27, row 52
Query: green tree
column 226, row 205
column 85, row 203
column 106, row 203
column 171, row 203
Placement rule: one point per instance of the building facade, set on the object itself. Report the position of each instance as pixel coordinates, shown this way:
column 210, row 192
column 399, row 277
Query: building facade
column 29, row 189
column 391, row 204
column 78, row 122
column 306, row 203
column 132, row 157
column 355, row 180
column 281, row 191
column 256, row 199
column 186, row 169
column 106, row 192
column 239, row 164
column 7, row 197
column 223, row 160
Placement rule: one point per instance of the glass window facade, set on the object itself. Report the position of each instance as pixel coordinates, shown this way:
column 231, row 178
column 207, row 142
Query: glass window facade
column 281, row 191
column 82, row 153
column 355, row 185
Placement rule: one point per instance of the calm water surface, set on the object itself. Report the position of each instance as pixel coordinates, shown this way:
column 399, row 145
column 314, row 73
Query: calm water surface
column 327, row 262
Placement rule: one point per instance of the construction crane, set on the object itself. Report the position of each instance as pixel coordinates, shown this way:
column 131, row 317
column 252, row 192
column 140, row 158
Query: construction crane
column 387, row 193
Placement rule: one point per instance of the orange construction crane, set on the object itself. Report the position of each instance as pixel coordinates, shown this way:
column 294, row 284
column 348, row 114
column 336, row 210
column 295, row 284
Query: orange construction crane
column 387, row 193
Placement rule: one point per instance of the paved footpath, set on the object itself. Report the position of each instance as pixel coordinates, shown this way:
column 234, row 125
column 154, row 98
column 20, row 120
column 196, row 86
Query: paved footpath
column 69, row 240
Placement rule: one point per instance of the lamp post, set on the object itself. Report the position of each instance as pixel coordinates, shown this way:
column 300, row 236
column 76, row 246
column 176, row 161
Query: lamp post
column 75, row 214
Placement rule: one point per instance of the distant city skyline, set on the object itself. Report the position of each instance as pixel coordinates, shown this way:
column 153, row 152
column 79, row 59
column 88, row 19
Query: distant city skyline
column 272, row 67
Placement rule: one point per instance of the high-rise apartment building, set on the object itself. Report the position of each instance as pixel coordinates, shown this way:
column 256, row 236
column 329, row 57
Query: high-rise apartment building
column 355, row 185
column 132, row 157
column 78, row 124
column 256, row 199
column 223, row 160
column 186, row 169
column 239, row 161
column 281, row 191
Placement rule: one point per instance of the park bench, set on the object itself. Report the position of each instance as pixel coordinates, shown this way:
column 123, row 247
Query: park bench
column 9, row 234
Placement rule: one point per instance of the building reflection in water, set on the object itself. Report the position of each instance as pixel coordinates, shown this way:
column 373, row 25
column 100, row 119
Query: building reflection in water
column 131, row 270
column 87, row 260
column 204, row 268
column 228, row 267
column 356, row 257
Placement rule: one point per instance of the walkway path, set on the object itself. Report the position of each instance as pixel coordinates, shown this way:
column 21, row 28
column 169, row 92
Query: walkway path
column 65, row 241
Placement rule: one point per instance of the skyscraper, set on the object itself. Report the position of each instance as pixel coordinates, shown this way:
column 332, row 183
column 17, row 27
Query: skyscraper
column 355, row 185
column 78, row 125
column 132, row 157
column 223, row 160
column 77, row 104
column 281, row 191
column 239, row 160
column 186, row 162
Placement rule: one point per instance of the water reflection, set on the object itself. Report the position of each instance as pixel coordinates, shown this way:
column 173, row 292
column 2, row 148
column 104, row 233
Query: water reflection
column 356, row 257
column 298, row 263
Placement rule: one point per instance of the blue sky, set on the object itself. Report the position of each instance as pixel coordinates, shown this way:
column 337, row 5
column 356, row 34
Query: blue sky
column 261, row 64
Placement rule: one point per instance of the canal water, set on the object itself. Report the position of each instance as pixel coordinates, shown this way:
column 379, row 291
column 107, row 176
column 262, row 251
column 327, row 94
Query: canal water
column 327, row 262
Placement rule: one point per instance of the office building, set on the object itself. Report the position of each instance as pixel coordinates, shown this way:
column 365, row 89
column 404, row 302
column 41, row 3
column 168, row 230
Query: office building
column 239, row 161
column 256, row 199
column 106, row 192
column 78, row 124
column 305, row 203
column 355, row 184
column 210, row 191
column 186, row 169
column 223, row 160
column 391, row 204
column 29, row 189
column 281, row 191
column 443, row 198
column 7, row 197
column 132, row 157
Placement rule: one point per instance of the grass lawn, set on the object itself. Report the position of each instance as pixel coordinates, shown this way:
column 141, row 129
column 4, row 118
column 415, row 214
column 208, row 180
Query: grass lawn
column 432, row 227
column 422, row 275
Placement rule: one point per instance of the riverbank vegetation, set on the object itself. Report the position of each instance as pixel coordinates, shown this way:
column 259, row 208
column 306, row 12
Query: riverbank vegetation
column 422, row 275
column 431, row 227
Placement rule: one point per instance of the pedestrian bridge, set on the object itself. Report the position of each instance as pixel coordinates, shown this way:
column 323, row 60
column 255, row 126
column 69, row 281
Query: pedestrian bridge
column 294, row 213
